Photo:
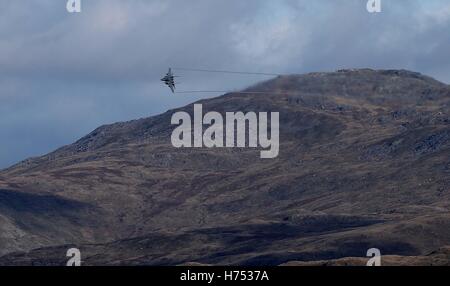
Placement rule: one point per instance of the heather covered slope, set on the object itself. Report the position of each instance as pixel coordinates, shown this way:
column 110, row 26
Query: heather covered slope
column 364, row 162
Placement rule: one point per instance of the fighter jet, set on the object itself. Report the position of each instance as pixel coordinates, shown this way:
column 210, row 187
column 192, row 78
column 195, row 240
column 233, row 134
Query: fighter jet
column 169, row 80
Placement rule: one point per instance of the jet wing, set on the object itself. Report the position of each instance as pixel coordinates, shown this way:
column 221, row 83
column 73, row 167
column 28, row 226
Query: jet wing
column 172, row 87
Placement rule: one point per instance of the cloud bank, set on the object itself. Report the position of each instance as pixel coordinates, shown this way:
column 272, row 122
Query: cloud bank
column 62, row 75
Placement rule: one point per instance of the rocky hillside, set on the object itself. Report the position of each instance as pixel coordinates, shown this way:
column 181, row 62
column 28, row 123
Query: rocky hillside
column 364, row 162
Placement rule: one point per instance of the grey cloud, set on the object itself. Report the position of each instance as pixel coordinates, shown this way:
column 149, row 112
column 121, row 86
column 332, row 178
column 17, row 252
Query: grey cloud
column 62, row 75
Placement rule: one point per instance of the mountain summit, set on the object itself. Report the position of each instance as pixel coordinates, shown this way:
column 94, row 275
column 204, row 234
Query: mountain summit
column 363, row 162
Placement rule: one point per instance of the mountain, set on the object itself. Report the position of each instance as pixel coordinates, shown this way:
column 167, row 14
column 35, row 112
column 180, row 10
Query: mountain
column 363, row 163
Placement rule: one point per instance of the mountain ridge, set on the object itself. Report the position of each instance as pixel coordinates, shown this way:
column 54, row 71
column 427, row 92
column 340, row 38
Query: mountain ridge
column 362, row 152
column 106, row 127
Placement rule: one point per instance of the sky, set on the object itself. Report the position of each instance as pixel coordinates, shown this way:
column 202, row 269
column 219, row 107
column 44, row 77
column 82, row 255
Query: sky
column 64, row 74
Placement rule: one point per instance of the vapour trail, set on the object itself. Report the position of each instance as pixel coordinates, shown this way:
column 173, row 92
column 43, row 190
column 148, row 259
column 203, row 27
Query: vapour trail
column 224, row 71
column 229, row 72
column 238, row 92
